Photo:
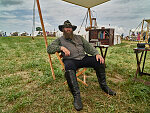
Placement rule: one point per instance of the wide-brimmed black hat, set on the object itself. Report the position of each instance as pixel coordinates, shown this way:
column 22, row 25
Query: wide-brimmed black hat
column 67, row 24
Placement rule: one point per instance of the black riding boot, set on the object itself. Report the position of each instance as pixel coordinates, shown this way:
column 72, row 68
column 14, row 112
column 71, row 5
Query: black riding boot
column 73, row 85
column 100, row 72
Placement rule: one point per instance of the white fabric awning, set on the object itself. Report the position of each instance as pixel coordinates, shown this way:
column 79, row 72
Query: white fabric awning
column 86, row 3
column 147, row 20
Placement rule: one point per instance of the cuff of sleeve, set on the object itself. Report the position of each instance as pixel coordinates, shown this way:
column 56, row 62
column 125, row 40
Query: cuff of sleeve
column 96, row 53
column 59, row 48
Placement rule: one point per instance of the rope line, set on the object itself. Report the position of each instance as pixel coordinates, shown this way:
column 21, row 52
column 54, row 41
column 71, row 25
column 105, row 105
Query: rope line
column 85, row 17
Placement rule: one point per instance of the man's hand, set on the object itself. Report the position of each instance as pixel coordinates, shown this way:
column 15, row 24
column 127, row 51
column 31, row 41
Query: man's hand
column 99, row 57
column 65, row 50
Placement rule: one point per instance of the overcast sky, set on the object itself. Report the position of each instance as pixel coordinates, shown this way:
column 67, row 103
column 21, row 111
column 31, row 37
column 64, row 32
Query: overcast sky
column 123, row 15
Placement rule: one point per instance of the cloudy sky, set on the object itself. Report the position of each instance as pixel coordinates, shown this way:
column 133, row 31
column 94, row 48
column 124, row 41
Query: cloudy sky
column 123, row 15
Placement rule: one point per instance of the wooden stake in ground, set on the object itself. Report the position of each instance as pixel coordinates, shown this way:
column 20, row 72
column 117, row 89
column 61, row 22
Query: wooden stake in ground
column 46, row 44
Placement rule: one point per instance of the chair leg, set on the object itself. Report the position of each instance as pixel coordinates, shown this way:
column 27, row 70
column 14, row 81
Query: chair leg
column 84, row 83
column 84, row 78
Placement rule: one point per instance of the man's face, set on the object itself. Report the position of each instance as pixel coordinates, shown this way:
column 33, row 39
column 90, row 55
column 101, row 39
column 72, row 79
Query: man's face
column 68, row 30
column 68, row 33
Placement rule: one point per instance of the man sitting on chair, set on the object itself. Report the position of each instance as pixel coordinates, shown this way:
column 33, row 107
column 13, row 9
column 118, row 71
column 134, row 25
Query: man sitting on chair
column 74, row 50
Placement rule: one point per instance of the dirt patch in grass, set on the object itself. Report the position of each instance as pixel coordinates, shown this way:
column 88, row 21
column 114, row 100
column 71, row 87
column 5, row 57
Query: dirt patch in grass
column 23, row 73
column 26, row 80
column 116, row 79
column 31, row 86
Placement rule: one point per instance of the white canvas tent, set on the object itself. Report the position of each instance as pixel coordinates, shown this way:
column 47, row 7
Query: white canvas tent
column 117, row 39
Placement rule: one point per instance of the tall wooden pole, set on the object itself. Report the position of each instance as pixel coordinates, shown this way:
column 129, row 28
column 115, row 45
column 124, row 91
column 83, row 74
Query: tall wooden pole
column 46, row 44
column 141, row 37
column 147, row 32
column 90, row 17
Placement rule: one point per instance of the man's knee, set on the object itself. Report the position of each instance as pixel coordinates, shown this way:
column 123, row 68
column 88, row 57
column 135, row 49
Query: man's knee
column 99, row 65
column 69, row 65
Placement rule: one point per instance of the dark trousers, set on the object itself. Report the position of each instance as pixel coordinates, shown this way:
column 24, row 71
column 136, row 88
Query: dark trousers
column 87, row 61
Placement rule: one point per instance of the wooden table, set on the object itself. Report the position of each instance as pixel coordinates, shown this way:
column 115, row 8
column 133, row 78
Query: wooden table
column 101, row 47
column 139, row 59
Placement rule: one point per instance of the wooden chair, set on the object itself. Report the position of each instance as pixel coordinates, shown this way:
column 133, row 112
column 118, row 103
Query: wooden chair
column 79, row 71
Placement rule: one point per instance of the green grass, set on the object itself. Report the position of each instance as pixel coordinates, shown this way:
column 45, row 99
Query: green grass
column 27, row 86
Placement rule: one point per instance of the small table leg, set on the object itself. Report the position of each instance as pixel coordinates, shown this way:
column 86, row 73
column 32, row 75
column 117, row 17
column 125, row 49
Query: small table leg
column 105, row 52
column 138, row 71
column 104, row 55
column 138, row 62
column 144, row 61
column 101, row 52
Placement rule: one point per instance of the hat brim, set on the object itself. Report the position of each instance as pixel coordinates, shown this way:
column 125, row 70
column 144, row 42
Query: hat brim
column 62, row 26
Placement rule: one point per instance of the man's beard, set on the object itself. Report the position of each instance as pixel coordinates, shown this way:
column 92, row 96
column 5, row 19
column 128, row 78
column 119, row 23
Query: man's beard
column 68, row 35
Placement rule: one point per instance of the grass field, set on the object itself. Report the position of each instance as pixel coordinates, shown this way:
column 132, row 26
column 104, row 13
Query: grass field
column 27, row 86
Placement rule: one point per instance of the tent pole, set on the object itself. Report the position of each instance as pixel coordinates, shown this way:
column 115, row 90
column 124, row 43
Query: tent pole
column 46, row 44
column 90, row 17
column 141, row 37
column 33, row 27
column 147, row 33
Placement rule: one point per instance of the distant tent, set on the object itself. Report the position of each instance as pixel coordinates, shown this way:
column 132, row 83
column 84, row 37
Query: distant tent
column 117, row 39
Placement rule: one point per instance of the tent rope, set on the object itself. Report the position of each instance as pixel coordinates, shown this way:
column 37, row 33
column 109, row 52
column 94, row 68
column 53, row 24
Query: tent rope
column 86, row 20
column 85, row 17
column 138, row 27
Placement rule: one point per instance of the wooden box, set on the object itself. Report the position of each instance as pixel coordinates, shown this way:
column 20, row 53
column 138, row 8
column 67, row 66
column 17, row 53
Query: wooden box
column 104, row 36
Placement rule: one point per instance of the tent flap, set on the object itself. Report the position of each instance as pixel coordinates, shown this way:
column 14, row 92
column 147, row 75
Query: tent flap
column 86, row 3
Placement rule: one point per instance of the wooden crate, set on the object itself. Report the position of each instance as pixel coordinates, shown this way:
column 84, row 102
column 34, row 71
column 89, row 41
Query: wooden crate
column 104, row 36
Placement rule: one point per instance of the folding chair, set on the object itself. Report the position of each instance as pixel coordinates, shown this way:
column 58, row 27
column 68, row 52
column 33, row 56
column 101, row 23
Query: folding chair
column 79, row 71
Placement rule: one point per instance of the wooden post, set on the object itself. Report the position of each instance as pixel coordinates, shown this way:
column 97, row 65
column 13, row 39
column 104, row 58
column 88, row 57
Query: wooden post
column 90, row 17
column 59, row 58
column 141, row 37
column 46, row 44
column 147, row 33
